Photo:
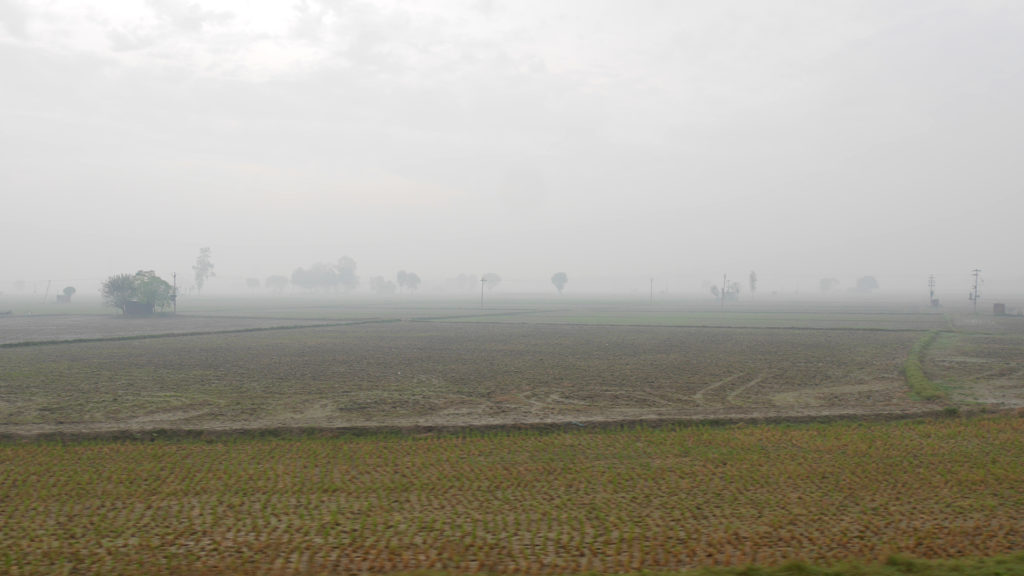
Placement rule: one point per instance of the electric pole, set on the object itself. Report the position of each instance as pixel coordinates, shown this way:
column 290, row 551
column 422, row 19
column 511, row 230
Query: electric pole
column 652, row 290
column 931, row 290
column 974, row 293
column 174, row 293
column 483, row 280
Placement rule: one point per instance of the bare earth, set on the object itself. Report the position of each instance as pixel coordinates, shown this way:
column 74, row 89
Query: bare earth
column 440, row 374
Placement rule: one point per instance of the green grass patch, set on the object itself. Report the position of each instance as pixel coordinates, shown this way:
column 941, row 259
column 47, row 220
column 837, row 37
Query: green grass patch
column 919, row 383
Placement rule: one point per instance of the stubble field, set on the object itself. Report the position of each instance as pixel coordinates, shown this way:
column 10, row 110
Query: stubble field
column 445, row 372
column 515, row 439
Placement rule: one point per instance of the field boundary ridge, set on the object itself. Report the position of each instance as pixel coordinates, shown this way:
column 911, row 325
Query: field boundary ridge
column 52, row 342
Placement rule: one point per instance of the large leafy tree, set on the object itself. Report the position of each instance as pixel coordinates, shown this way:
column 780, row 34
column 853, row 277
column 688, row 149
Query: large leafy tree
column 144, row 286
column 118, row 290
column 152, row 290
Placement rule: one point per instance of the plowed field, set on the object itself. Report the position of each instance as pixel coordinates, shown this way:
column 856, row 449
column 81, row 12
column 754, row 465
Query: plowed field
column 451, row 374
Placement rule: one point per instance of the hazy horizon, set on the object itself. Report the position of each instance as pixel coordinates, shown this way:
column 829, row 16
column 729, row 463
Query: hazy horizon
column 616, row 142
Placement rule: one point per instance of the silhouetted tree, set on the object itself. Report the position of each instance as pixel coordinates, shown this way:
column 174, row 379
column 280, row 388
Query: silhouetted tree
column 346, row 271
column 382, row 286
column 408, row 280
column 491, row 280
column 203, row 268
column 559, row 280
column 323, row 276
column 730, row 292
column 867, row 284
column 68, row 292
column 277, row 283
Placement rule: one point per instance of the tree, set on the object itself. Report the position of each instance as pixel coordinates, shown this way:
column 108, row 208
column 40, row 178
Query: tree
column 491, row 280
column 559, row 280
column 408, row 280
column 753, row 283
column 68, row 292
column 327, row 277
column 346, row 273
column 277, row 283
column 144, row 287
column 118, row 290
column 382, row 286
column 732, row 291
column 728, row 291
column 867, row 284
column 152, row 290
column 203, row 268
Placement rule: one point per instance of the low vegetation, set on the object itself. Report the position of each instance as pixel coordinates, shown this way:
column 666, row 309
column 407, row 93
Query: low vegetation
column 526, row 502
column 919, row 383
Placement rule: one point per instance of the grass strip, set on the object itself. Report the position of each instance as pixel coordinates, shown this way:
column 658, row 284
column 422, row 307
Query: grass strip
column 921, row 386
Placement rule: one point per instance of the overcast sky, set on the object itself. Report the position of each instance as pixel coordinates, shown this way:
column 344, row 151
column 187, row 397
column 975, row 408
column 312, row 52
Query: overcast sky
column 614, row 141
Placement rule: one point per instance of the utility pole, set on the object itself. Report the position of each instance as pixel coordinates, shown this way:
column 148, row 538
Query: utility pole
column 974, row 293
column 483, row 280
column 723, row 291
column 174, row 293
column 652, row 290
column 931, row 290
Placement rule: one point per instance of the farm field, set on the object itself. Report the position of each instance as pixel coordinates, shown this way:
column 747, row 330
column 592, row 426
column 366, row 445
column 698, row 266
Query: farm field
column 518, row 438
column 519, row 502
column 445, row 369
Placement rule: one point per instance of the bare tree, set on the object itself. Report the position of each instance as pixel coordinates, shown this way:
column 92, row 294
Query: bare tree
column 203, row 268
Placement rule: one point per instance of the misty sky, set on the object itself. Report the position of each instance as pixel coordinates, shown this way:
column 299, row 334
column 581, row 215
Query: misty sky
column 610, row 140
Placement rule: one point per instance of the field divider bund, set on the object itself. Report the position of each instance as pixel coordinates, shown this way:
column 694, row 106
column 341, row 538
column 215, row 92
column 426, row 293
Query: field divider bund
column 28, row 343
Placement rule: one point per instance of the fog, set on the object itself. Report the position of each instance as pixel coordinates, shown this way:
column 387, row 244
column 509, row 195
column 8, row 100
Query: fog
column 614, row 141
